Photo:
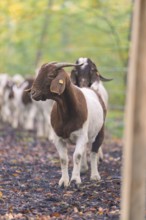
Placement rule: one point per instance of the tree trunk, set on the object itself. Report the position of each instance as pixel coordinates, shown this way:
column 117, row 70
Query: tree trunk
column 39, row 52
column 134, row 171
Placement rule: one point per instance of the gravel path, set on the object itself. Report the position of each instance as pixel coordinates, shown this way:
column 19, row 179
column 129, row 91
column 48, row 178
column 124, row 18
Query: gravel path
column 29, row 175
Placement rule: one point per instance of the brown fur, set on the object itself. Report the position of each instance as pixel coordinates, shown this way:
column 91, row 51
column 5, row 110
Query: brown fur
column 69, row 113
column 74, row 76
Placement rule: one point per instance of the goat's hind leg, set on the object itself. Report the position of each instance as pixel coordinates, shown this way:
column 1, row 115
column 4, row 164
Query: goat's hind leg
column 100, row 155
column 95, row 153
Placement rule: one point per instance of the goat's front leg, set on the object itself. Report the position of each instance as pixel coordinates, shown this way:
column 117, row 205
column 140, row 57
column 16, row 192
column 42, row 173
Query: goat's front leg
column 77, row 157
column 62, row 150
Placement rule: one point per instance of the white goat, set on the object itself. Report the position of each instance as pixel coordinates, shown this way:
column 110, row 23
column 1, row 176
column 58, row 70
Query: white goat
column 17, row 108
column 7, row 96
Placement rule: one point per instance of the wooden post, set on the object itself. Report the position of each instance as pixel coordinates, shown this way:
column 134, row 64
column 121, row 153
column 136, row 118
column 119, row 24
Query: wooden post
column 134, row 161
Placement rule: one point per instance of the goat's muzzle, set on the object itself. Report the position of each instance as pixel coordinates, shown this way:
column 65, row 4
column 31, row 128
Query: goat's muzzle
column 37, row 95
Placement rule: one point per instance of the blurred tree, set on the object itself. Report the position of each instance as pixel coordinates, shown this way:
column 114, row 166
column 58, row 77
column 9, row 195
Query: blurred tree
column 33, row 32
column 43, row 33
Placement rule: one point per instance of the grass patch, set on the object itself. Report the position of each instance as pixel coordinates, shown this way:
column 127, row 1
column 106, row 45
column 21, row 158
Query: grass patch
column 115, row 123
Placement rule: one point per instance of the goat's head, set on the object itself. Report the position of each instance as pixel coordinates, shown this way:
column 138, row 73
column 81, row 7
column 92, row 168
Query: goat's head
column 50, row 81
column 85, row 75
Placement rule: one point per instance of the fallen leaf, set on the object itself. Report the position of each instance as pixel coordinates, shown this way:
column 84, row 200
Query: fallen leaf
column 1, row 195
column 44, row 217
column 10, row 209
column 76, row 210
column 55, row 214
column 15, row 174
column 100, row 211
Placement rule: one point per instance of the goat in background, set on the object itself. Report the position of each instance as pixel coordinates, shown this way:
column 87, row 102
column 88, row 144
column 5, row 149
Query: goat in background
column 87, row 75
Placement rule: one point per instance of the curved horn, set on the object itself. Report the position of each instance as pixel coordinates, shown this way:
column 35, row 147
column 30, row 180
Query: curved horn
column 47, row 64
column 104, row 79
column 61, row 65
column 27, row 90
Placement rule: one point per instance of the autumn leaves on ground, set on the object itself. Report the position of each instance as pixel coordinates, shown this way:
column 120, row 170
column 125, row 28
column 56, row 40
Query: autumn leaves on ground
column 29, row 175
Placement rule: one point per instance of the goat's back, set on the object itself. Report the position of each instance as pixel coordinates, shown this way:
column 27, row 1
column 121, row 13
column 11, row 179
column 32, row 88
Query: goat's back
column 98, row 86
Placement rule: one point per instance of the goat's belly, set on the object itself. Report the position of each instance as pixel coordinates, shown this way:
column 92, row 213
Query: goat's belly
column 93, row 131
column 96, row 120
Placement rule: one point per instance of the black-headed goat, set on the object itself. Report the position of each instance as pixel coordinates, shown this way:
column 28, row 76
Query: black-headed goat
column 87, row 75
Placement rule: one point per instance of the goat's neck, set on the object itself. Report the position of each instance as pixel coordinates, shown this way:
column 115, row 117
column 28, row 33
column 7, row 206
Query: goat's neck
column 67, row 103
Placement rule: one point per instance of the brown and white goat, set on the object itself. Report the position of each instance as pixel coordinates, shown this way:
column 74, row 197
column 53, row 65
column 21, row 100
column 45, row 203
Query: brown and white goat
column 77, row 117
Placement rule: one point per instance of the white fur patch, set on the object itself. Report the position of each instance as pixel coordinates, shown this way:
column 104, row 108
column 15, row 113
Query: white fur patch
column 98, row 86
column 95, row 114
column 94, row 166
column 84, row 61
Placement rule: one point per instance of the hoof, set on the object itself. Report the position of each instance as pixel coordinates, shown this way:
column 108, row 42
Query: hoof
column 96, row 177
column 74, row 184
column 64, row 182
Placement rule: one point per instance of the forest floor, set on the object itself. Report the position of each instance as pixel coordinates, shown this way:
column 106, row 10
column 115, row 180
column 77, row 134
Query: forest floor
column 29, row 175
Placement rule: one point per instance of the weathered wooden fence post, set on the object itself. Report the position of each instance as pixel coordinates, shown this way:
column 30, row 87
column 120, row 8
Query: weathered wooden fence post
column 134, row 161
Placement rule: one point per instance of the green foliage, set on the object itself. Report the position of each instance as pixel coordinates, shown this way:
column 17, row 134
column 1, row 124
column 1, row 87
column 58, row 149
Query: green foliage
column 34, row 32
column 115, row 123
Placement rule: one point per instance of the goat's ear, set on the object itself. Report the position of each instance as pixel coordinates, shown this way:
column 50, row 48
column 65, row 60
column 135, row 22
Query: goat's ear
column 94, row 76
column 58, row 85
column 73, row 77
column 94, row 73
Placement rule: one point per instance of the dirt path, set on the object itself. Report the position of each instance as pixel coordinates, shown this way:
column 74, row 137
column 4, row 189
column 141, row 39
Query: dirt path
column 29, row 175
